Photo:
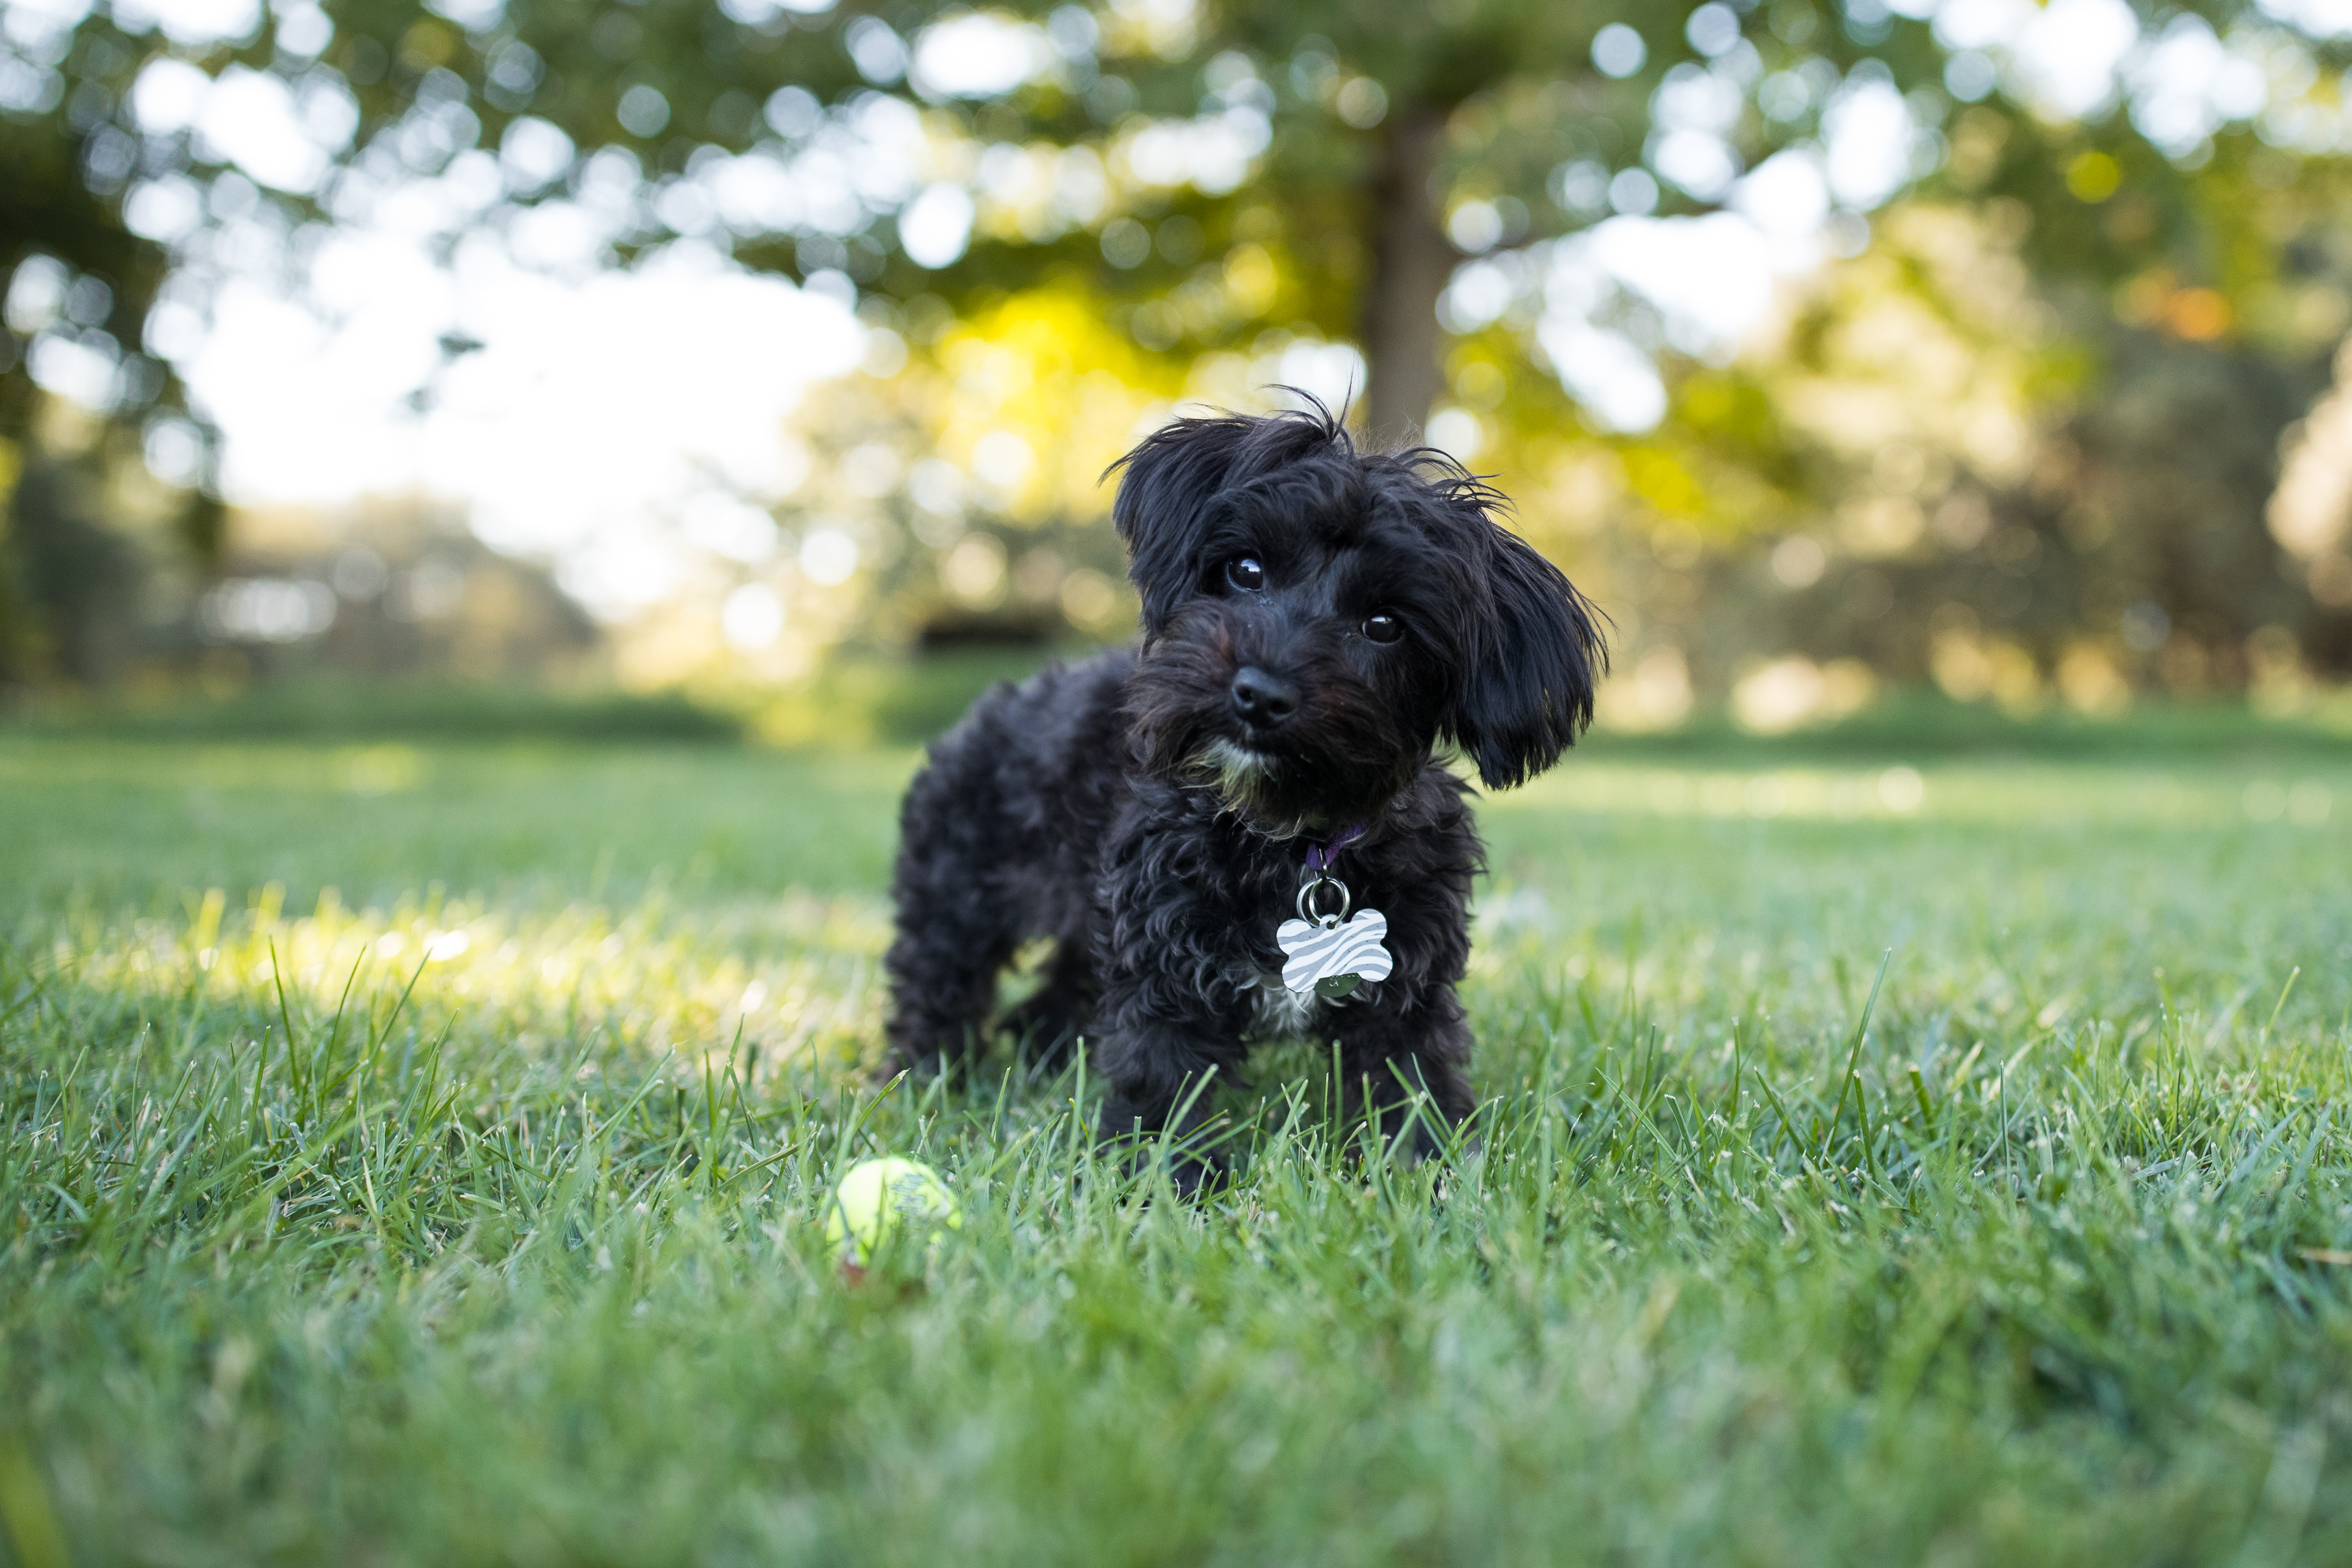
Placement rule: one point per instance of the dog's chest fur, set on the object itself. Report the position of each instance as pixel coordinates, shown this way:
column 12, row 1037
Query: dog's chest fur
column 1278, row 1012
column 1186, row 887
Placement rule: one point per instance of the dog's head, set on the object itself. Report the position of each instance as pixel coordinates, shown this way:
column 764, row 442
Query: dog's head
column 1316, row 620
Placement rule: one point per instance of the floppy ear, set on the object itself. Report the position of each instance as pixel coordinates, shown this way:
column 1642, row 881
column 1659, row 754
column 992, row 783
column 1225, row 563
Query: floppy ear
column 1162, row 513
column 1528, row 690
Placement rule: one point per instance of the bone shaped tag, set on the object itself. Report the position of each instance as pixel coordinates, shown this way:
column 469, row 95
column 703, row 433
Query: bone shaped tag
column 1333, row 958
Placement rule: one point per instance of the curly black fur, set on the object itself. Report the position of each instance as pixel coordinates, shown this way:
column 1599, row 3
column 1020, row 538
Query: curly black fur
column 1155, row 823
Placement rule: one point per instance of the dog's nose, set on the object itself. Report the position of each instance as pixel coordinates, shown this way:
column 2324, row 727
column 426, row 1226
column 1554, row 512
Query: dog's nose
column 1264, row 699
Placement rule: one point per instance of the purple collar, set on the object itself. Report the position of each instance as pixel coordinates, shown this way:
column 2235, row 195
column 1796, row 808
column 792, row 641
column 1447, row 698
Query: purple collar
column 1321, row 856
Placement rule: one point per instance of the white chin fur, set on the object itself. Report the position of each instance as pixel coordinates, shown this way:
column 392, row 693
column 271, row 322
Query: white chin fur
column 1236, row 767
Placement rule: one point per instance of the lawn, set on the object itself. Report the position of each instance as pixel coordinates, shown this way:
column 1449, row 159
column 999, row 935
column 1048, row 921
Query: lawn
column 413, row 1154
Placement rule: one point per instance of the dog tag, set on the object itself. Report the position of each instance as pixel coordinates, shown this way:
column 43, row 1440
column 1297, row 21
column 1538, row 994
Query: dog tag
column 1332, row 956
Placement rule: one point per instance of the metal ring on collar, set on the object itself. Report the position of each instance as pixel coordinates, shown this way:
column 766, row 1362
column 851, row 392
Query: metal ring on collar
column 1306, row 902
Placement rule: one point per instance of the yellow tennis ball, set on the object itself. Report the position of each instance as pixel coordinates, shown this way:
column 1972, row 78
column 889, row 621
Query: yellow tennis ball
column 878, row 1196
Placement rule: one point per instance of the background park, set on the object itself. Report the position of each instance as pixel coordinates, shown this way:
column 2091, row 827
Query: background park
column 497, row 495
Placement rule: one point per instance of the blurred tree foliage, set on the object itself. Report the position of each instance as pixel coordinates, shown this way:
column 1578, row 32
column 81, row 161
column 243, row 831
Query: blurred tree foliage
column 70, row 583
column 2019, row 441
column 66, row 156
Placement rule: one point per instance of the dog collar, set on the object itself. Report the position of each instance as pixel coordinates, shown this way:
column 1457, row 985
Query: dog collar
column 1321, row 856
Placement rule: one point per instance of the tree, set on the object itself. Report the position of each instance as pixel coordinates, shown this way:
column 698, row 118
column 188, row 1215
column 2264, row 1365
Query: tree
column 1372, row 181
column 1327, row 164
column 81, row 282
column 1199, row 173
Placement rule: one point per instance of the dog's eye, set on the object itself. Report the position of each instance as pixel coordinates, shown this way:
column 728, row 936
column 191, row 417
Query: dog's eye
column 1244, row 571
column 1383, row 627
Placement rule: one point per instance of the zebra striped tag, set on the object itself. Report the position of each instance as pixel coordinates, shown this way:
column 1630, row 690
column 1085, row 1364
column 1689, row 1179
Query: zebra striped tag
column 1318, row 957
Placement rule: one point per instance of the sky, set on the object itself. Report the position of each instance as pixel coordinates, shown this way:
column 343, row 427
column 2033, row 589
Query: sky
column 600, row 414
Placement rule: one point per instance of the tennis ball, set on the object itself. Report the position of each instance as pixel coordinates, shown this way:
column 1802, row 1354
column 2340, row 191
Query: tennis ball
column 876, row 1196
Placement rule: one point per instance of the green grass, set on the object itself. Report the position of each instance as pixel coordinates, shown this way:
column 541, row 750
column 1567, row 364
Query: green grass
column 329, row 708
column 1925, row 723
column 413, row 1155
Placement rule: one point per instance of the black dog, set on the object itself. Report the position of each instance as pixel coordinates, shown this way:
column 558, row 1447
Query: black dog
column 1315, row 622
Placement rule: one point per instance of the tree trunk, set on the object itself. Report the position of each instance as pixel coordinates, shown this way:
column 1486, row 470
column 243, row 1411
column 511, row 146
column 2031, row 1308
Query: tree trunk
column 1411, row 261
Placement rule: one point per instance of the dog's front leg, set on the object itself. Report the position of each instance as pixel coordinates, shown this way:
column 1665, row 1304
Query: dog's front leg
column 1157, row 1056
column 1158, row 1087
column 1403, row 1053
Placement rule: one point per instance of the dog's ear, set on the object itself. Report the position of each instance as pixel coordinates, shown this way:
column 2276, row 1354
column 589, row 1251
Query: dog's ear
column 1169, row 483
column 1528, row 688
column 1165, row 487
